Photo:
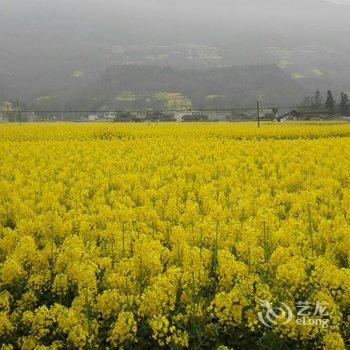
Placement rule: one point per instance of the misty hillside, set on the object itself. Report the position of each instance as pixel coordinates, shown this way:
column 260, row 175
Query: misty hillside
column 132, row 87
column 47, row 46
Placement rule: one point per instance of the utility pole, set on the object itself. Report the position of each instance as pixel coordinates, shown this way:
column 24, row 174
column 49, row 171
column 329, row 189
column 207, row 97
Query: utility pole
column 18, row 112
column 258, row 112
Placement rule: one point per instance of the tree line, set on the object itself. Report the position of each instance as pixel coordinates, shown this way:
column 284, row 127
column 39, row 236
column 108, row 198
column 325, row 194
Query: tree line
column 328, row 102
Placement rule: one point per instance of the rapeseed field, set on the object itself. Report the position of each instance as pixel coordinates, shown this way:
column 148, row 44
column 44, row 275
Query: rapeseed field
column 174, row 236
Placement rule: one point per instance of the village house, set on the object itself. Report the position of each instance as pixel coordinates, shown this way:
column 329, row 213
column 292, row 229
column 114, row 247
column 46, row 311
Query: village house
column 195, row 117
column 123, row 118
column 161, row 117
column 307, row 115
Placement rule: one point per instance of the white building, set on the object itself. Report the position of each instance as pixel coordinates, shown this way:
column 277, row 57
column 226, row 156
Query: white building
column 92, row 118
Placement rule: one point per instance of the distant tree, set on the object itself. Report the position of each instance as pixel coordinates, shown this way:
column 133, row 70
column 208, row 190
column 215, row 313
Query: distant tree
column 306, row 103
column 7, row 109
column 344, row 105
column 330, row 103
column 316, row 101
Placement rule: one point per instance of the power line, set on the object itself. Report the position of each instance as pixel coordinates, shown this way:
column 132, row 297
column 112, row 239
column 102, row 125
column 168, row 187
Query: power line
column 234, row 109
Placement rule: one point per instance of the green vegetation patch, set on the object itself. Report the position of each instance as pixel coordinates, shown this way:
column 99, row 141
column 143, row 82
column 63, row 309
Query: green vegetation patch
column 173, row 100
column 215, row 97
column 317, row 72
column 44, row 98
column 126, row 96
column 284, row 63
column 298, row 76
column 78, row 73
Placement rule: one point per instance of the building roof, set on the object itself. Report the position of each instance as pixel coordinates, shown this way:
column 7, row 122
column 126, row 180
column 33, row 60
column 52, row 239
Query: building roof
column 290, row 113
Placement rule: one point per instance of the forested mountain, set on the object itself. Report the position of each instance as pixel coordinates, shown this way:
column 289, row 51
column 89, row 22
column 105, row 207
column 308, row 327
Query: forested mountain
column 48, row 46
column 133, row 86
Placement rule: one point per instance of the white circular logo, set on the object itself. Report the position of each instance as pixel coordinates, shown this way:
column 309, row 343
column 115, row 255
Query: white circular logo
column 273, row 316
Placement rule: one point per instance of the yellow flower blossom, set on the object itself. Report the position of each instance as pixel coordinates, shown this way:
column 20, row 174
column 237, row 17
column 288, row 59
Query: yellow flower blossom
column 173, row 235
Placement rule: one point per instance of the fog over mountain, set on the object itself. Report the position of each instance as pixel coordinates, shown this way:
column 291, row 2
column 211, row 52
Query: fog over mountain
column 50, row 46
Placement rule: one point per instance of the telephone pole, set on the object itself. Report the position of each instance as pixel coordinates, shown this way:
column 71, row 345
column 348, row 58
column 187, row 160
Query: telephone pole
column 18, row 112
column 258, row 112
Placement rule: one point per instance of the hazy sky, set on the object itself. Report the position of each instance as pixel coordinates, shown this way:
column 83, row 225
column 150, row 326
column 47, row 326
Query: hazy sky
column 341, row 1
column 44, row 41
